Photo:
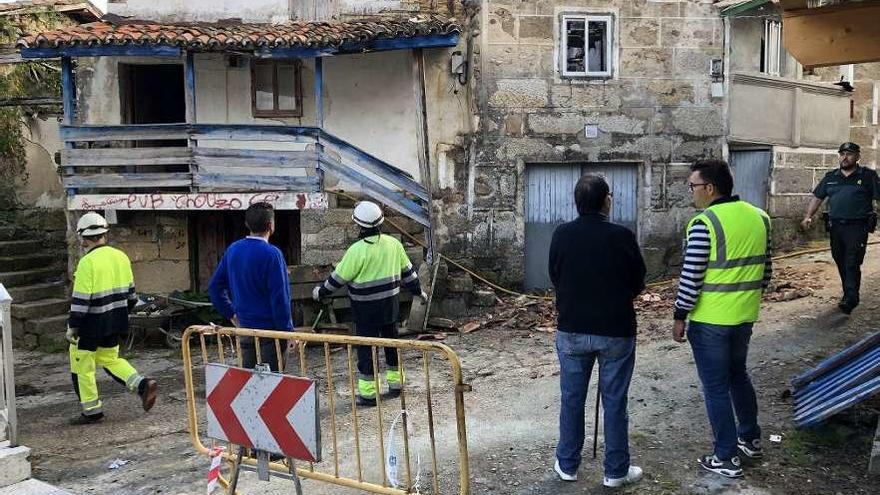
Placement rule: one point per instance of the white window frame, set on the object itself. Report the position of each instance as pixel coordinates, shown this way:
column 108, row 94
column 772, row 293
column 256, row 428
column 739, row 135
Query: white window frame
column 773, row 52
column 608, row 19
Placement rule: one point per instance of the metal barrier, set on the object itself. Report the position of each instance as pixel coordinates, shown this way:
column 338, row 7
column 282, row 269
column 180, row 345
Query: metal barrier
column 364, row 427
column 7, row 378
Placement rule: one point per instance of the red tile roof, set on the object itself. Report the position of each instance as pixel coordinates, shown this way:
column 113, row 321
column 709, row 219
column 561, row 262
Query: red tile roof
column 226, row 35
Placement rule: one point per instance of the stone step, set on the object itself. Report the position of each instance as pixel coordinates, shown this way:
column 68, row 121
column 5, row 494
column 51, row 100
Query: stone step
column 28, row 261
column 11, row 248
column 33, row 487
column 42, row 308
column 14, row 464
column 30, row 277
column 7, row 232
column 47, row 326
column 38, row 291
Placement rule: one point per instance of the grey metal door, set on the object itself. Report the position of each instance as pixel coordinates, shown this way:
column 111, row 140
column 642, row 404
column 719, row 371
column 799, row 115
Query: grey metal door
column 550, row 202
column 751, row 174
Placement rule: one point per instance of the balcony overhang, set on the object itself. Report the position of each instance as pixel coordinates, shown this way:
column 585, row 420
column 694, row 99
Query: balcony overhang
column 832, row 35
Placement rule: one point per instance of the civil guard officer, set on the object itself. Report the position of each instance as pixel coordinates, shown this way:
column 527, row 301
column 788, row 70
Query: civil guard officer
column 851, row 190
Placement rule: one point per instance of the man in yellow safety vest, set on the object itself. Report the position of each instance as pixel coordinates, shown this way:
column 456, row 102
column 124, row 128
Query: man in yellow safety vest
column 726, row 267
column 103, row 295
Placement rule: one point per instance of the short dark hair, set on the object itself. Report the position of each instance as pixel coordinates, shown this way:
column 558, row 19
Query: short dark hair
column 715, row 172
column 95, row 238
column 590, row 193
column 258, row 216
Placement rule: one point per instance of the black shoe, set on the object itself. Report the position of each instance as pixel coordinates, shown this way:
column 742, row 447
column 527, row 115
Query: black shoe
column 846, row 307
column 366, row 402
column 393, row 393
column 87, row 419
column 730, row 469
column 750, row 449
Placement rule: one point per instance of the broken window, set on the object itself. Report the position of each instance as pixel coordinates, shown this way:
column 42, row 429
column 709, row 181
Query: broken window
column 276, row 88
column 586, row 45
column 771, row 54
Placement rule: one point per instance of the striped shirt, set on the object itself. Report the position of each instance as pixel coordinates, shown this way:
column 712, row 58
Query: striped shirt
column 696, row 259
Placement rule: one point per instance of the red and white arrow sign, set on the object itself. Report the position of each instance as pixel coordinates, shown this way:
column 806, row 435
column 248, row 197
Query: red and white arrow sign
column 265, row 411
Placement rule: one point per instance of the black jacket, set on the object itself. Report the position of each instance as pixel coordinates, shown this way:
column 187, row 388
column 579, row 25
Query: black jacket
column 598, row 270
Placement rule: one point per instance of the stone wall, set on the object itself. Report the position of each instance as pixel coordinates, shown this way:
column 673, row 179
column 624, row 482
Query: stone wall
column 656, row 112
column 158, row 247
column 794, row 175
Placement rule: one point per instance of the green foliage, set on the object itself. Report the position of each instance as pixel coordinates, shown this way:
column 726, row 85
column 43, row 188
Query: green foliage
column 20, row 81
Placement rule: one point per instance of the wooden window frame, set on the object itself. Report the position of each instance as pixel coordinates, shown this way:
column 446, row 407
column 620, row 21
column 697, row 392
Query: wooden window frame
column 608, row 19
column 276, row 112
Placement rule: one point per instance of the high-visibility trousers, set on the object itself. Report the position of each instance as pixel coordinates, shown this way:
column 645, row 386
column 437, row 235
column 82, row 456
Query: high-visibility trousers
column 82, row 368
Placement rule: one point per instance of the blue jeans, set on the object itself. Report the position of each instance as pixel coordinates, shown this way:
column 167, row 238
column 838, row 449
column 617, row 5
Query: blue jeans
column 720, row 352
column 617, row 357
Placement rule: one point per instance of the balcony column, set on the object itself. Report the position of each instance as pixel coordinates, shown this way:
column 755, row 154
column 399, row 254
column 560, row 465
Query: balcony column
column 189, row 85
column 424, row 147
column 68, row 93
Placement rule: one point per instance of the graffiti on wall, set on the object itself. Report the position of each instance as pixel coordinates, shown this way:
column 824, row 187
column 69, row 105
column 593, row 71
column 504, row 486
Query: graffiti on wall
column 197, row 201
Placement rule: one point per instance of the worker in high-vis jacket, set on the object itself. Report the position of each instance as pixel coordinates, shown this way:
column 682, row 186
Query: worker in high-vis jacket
column 726, row 267
column 103, row 295
column 373, row 268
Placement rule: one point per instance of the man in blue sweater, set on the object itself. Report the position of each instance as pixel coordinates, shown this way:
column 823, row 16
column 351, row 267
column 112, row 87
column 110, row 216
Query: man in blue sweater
column 251, row 288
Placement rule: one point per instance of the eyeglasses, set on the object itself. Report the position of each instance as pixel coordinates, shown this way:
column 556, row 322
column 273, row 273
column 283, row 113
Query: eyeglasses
column 691, row 185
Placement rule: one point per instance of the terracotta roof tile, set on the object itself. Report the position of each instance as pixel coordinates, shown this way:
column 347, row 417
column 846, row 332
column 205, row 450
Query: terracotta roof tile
column 226, row 35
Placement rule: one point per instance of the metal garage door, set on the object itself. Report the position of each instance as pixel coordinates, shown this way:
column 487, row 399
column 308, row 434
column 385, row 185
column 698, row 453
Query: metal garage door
column 550, row 202
column 751, row 172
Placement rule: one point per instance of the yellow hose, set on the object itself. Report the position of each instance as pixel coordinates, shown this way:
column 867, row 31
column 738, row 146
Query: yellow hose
column 477, row 276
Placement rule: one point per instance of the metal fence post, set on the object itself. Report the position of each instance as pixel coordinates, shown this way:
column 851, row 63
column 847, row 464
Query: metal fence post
column 7, row 363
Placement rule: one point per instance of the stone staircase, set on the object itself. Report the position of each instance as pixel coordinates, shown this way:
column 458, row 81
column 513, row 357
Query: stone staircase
column 35, row 274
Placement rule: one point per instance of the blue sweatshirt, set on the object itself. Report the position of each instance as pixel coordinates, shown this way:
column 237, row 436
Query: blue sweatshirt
column 251, row 283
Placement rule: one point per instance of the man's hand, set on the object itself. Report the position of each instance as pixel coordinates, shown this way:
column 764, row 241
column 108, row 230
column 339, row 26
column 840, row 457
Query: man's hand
column 72, row 335
column 806, row 223
column 678, row 331
column 316, row 293
column 235, row 321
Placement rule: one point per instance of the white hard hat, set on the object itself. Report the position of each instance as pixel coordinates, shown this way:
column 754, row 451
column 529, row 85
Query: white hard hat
column 91, row 224
column 367, row 214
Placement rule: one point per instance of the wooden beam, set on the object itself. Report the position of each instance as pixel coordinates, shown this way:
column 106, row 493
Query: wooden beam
column 423, row 143
column 221, row 182
column 835, row 35
column 124, row 132
column 33, row 102
column 113, row 157
column 189, row 78
column 127, row 50
column 200, row 201
column 128, row 181
column 68, row 90
column 319, row 111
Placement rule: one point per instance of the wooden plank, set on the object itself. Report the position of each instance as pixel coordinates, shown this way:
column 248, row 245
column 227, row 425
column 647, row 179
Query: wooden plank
column 219, row 158
column 189, row 79
column 356, row 157
column 214, row 182
column 109, row 157
column 142, row 132
column 835, row 35
column 408, row 43
column 424, row 148
column 287, row 134
column 222, row 168
column 308, row 273
column 36, row 101
column 118, row 181
column 198, row 201
column 392, row 198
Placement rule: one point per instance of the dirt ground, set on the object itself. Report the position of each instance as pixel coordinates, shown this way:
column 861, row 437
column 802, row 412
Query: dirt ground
column 511, row 412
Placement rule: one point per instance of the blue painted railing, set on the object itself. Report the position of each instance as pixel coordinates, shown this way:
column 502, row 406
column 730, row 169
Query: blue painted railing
column 213, row 163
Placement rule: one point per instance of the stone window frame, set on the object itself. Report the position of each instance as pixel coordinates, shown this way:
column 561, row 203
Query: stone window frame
column 275, row 111
column 610, row 51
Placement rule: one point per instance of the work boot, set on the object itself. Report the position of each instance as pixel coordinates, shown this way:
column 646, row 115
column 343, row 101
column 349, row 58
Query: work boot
column 87, row 419
column 846, row 306
column 366, row 401
column 147, row 391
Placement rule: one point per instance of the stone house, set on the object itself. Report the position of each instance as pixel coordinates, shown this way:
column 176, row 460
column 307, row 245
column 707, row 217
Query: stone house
column 177, row 116
column 634, row 90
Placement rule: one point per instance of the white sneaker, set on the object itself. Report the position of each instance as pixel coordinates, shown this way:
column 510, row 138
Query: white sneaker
column 634, row 474
column 563, row 475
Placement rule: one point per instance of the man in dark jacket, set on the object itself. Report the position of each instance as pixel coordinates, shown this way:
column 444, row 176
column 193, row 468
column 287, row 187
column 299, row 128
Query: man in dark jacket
column 598, row 270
